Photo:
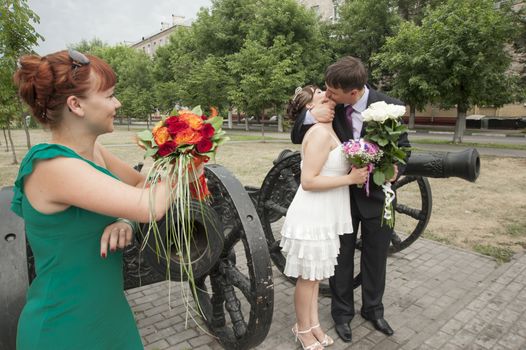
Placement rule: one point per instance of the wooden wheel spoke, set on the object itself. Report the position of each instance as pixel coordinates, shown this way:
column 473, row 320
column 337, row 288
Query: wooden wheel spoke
column 404, row 181
column 232, row 236
column 239, row 280
column 412, row 212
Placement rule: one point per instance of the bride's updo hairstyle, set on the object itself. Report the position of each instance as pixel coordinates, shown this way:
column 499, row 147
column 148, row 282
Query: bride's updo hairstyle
column 46, row 82
column 302, row 96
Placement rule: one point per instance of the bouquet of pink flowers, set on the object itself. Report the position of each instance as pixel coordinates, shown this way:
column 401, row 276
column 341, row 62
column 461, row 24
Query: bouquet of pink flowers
column 362, row 154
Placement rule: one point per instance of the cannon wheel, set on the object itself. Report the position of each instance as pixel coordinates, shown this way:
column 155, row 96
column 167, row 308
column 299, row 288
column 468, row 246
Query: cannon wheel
column 278, row 190
column 240, row 284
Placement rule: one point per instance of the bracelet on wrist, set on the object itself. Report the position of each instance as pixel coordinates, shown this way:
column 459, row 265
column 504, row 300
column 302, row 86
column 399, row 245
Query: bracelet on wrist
column 132, row 224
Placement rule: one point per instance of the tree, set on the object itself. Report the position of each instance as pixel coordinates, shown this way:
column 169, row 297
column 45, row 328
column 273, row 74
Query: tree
column 463, row 45
column 134, row 80
column 402, row 63
column 17, row 37
column 414, row 10
column 8, row 102
column 363, row 28
column 90, row 46
column 214, row 61
column 267, row 76
column 222, row 30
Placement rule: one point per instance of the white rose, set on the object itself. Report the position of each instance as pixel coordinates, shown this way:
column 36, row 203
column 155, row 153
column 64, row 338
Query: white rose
column 375, row 112
column 395, row 111
column 381, row 111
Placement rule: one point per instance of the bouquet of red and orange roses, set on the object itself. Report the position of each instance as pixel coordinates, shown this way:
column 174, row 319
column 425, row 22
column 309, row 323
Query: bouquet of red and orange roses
column 184, row 140
column 178, row 144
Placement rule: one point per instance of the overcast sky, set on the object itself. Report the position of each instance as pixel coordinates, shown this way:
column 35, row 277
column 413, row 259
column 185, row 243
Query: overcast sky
column 64, row 22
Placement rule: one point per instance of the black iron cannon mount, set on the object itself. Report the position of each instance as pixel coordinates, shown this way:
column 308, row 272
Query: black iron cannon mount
column 230, row 263
column 279, row 187
column 232, row 247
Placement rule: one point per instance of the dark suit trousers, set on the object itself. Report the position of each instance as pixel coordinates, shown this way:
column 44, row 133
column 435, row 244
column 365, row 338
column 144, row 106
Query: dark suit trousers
column 373, row 260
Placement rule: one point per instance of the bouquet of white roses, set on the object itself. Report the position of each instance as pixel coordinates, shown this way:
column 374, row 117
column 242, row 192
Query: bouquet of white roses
column 384, row 127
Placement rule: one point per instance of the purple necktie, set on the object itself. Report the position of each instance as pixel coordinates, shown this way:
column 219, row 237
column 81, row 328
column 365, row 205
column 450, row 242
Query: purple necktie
column 348, row 115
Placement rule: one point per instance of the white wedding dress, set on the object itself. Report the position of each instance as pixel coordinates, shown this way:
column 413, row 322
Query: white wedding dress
column 314, row 221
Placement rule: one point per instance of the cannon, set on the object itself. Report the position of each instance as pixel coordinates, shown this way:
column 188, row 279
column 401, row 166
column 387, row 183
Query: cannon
column 279, row 187
column 233, row 245
column 229, row 256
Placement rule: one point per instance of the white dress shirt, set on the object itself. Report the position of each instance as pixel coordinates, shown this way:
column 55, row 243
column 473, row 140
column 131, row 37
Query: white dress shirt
column 358, row 108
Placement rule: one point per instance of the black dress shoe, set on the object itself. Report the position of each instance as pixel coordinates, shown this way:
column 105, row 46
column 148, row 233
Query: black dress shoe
column 344, row 331
column 382, row 325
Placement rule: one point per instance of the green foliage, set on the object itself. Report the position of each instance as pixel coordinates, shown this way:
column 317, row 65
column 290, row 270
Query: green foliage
column 414, row 10
column 266, row 75
column 248, row 54
column 401, row 62
column 363, row 28
column 17, row 34
column 223, row 29
column 463, row 45
column 91, row 46
column 386, row 135
column 134, row 86
column 17, row 37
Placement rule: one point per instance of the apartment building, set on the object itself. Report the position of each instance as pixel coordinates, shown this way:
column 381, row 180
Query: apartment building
column 150, row 44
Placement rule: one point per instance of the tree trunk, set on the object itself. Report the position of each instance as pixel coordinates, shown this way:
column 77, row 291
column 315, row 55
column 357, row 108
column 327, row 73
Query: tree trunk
column 412, row 113
column 262, row 121
column 246, row 122
column 15, row 161
column 460, row 125
column 24, row 123
column 6, row 143
column 230, row 119
column 280, row 123
column 129, row 123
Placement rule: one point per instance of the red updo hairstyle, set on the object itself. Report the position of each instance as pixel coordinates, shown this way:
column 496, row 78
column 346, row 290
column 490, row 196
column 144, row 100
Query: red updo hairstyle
column 45, row 83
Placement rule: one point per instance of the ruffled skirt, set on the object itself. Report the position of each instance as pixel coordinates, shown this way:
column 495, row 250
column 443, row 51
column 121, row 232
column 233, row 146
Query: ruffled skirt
column 310, row 234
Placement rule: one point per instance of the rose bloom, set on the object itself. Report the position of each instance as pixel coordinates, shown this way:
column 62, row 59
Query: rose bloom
column 193, row 120
column 207, row 130
column 187, row 137
column 161, row 135
column 177, row 126
column 157, row 126
column 204, row 145
column 167, row 148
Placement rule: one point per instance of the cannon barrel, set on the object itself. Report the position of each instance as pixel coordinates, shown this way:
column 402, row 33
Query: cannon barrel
column 463, row 164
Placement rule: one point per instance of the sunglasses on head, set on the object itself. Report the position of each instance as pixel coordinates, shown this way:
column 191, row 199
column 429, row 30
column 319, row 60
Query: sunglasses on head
column 78, row 59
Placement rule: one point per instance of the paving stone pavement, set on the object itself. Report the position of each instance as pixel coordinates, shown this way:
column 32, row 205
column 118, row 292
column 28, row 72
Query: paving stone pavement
column 437, row 297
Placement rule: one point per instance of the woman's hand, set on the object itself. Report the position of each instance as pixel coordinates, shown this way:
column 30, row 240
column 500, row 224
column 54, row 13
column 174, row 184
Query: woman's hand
column 117, row 235
column 358, row 176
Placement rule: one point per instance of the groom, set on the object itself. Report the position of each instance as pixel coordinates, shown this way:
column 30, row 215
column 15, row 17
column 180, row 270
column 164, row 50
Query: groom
column 346, row 83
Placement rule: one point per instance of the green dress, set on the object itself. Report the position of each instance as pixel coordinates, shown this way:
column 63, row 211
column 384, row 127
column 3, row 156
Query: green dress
column 77, row 299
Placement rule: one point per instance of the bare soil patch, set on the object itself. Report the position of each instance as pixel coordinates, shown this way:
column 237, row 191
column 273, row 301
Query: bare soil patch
column 488, row 216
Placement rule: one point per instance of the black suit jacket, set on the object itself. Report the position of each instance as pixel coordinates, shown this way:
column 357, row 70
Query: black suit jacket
column 371, row 206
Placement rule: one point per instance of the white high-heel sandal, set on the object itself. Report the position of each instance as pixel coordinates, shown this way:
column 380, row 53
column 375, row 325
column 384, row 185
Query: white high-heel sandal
column 327, row 341
column 314, row 346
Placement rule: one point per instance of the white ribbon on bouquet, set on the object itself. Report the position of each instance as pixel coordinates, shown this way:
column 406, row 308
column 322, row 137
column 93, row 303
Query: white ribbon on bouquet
column 388, row 206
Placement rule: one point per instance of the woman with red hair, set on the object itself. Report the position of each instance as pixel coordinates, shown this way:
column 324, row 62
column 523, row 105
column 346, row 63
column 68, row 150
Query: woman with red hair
column 70, row 193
